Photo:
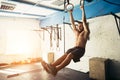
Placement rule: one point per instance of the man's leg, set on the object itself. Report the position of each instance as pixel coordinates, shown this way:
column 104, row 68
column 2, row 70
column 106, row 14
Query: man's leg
column 59, row 60
column 65, row 62
column 54, row 69
column 61, row 63
column 53, row 65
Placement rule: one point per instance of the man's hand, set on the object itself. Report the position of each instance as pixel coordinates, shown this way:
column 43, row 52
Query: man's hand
column 70, row 11
column 81, row 4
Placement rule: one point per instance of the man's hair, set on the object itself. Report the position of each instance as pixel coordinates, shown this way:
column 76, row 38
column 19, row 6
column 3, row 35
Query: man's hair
column 78, row 21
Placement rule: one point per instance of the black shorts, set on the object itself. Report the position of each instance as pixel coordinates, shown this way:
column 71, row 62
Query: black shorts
column 78, row 52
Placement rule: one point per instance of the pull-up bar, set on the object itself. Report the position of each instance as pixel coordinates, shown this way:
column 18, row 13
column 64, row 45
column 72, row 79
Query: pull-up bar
column 117, row 23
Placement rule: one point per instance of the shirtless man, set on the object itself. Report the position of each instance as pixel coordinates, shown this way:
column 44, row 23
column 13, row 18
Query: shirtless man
column 81, row 33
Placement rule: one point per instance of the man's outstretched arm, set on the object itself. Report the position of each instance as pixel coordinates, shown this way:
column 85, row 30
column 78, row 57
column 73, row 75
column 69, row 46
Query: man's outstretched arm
column 84, row 17
column 72, row 20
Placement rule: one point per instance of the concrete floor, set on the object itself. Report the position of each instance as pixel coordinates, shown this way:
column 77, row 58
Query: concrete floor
column 36, row 72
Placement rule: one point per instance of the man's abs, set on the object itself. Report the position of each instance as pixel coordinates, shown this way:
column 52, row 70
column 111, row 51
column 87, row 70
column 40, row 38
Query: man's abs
column 80, row 43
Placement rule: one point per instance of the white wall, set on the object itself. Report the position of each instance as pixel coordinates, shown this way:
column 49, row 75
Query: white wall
column 17, row 39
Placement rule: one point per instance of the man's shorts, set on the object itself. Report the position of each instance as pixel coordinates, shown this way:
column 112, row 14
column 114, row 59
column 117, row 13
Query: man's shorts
column 78, row 52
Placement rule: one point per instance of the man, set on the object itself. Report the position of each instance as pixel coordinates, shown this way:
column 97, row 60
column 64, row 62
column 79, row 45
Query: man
column 81, row 35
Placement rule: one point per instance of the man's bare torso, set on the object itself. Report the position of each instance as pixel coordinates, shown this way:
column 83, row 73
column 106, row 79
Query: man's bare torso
column 81, row 38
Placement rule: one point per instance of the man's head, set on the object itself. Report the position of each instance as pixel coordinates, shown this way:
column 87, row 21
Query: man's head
column 79, row 25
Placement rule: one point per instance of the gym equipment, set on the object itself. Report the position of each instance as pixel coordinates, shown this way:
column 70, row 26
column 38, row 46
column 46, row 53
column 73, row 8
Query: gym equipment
column 69, row 7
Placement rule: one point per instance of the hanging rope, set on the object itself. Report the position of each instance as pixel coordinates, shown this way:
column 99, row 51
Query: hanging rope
column 60, row 34
column 68, row 2
column 51, row 37
column 57, row 44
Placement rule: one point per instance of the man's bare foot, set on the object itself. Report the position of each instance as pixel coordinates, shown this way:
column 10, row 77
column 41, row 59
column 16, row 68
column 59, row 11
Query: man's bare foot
column 44, row 64
column 52, row 69
column 49, row 68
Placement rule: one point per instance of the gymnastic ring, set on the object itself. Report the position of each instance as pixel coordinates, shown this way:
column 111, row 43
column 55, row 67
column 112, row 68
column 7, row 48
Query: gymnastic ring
column 69, row 7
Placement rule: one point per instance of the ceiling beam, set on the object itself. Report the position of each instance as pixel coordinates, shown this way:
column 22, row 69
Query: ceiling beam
column 19, row 13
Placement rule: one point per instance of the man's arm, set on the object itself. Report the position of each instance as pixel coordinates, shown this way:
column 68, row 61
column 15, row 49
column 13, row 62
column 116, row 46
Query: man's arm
column 72, row 20
column 84, row 18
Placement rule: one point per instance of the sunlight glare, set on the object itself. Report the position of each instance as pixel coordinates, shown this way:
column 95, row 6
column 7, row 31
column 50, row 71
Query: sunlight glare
column 18, row 42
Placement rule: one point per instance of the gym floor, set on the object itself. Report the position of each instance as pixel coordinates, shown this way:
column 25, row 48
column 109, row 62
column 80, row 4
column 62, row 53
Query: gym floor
column 36, row 72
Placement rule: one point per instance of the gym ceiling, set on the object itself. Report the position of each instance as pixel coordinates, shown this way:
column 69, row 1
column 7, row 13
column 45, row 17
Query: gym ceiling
column 43, row 9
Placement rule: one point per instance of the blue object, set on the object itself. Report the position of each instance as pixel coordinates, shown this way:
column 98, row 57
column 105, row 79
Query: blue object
column 93, row 9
